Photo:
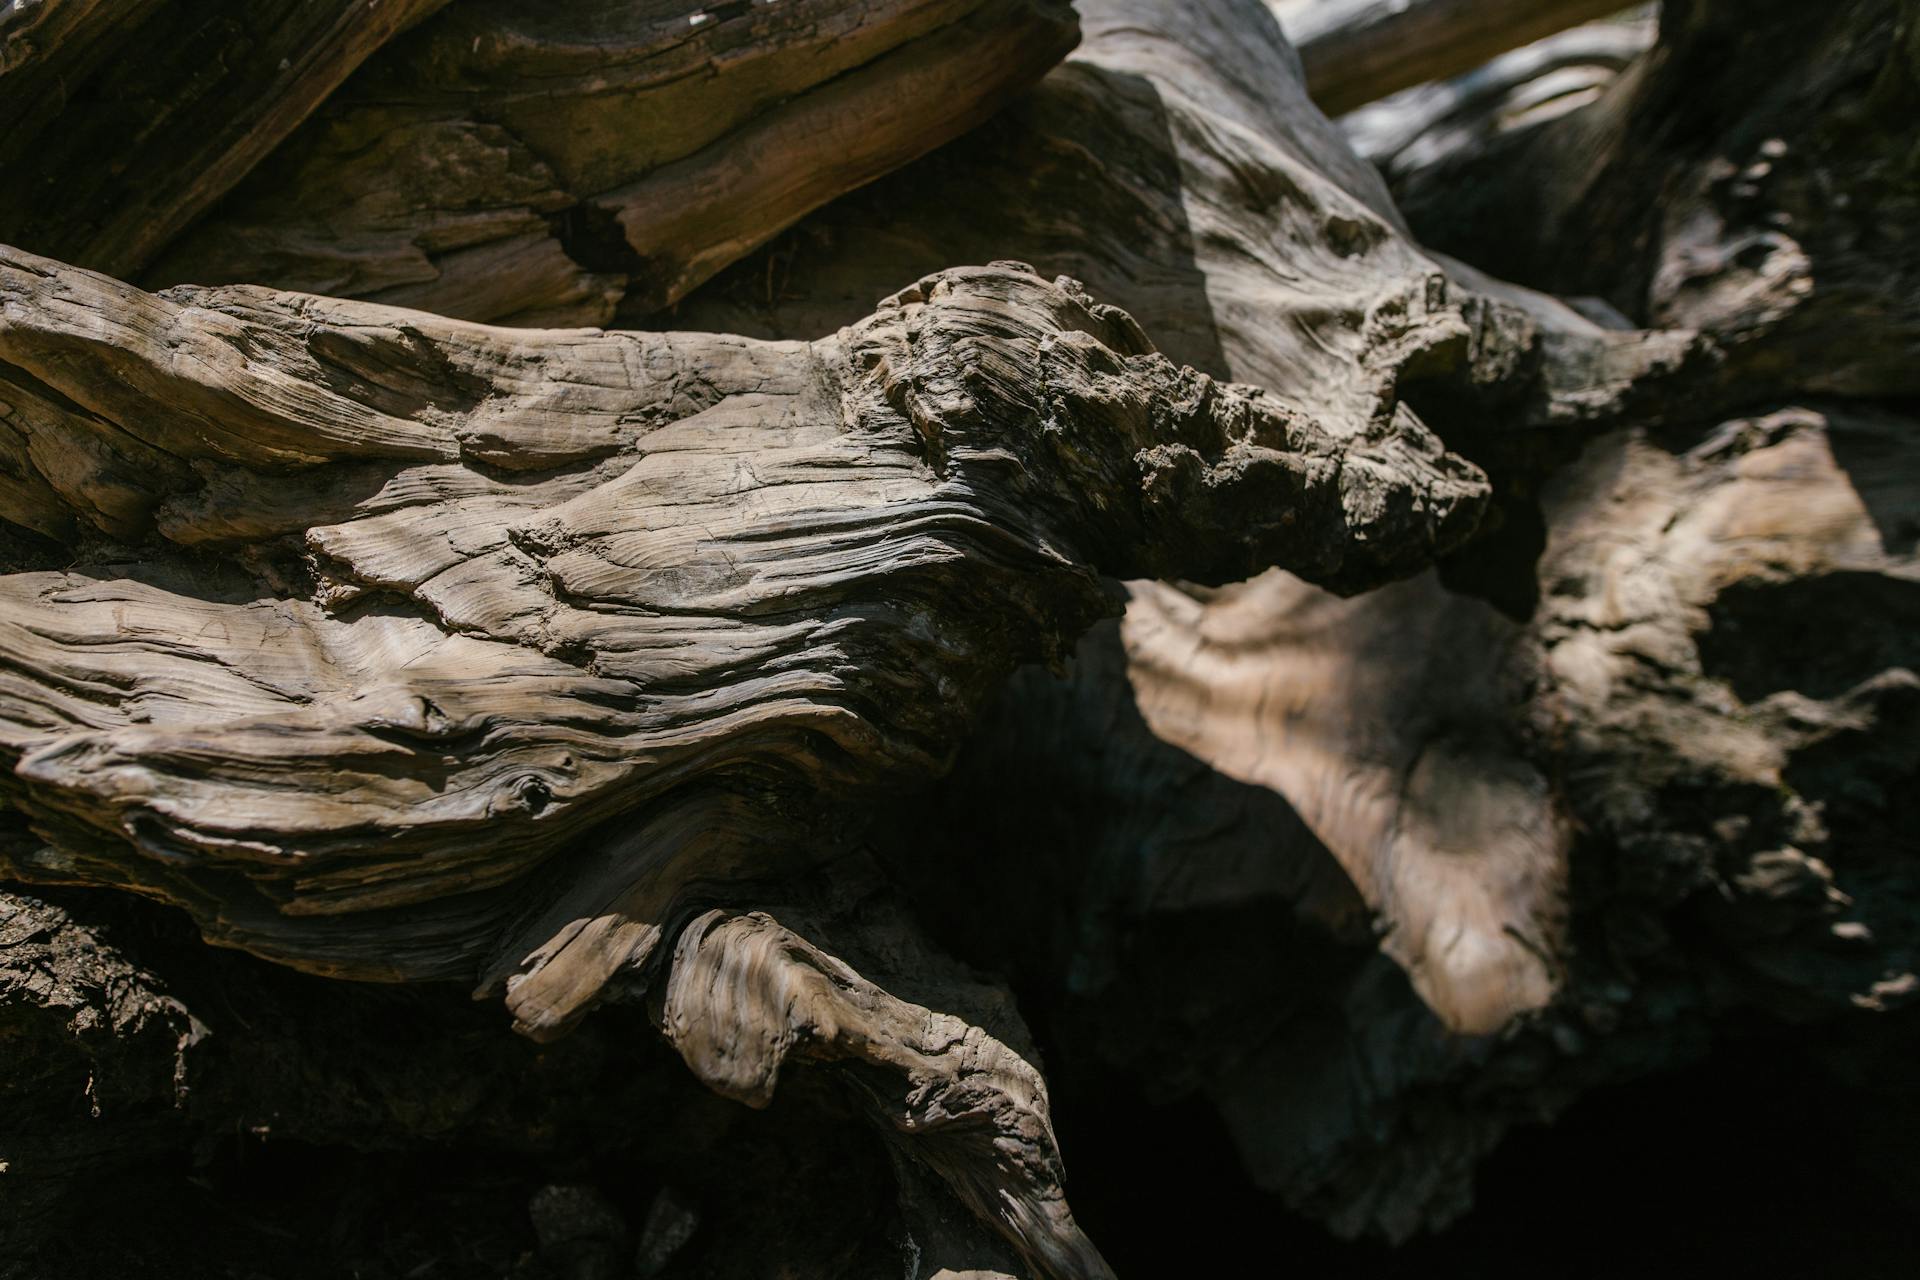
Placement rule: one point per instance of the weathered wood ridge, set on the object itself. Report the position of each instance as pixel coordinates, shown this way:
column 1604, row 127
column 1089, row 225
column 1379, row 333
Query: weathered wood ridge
column 1474, row 749
column 503, row 588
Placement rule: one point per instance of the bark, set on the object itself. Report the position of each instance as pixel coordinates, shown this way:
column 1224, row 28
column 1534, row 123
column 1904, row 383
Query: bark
column 1359, row 51
column 538, row 165
column 122, row 122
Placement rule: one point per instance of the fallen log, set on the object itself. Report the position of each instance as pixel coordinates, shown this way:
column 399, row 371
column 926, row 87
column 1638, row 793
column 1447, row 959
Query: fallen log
column 536, row 165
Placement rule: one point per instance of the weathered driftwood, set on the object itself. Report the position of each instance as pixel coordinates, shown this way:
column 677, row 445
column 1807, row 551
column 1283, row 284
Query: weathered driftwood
column 537, row 164
column 637, row 611
column 121, row 121
column 1359, row 51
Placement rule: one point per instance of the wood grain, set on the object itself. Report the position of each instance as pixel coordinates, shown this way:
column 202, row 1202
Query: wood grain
column 536, row 165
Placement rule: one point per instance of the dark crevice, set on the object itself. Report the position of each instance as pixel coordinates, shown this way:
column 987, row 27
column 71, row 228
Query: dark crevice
column 592, row 236
column 1819, row 636
column 1500, row 563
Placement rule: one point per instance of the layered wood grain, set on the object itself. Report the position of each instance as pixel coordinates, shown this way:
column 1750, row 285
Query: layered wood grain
column 536, row 165
column 369, row 615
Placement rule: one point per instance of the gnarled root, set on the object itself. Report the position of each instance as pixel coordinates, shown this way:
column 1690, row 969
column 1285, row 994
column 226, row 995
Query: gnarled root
column 745, row 995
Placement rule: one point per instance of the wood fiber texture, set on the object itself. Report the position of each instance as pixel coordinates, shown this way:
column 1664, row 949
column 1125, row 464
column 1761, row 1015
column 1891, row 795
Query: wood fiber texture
column 537, row 165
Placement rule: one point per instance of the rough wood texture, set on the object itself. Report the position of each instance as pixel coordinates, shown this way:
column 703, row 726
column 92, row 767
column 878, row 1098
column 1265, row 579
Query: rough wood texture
column 1359, row 51
column 537, row 164
column 614, row 563
column 635, row 610
column 407, row 648
column 121, row 121
column 136, row 1050
column 746, row 995
column 1731, row 773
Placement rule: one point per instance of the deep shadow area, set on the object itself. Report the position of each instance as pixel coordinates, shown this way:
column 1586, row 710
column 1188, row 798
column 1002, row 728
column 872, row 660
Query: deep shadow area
column 1760, row 1163
column 1769, row 636
column 1757, row 1163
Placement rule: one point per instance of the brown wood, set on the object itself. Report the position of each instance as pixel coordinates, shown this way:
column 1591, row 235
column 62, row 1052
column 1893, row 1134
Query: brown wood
column 588, row 668
column 1420, row 731
column 518, row 640
column 1241, row 224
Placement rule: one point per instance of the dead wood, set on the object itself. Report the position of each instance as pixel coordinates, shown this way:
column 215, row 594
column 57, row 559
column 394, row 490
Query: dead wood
column 1421, row 732
column 642, row 614
column 122, row 121
column 535, row 165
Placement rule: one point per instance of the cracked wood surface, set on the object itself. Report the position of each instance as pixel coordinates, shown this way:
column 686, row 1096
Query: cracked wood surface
column 501, row 586
column 396, row 647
